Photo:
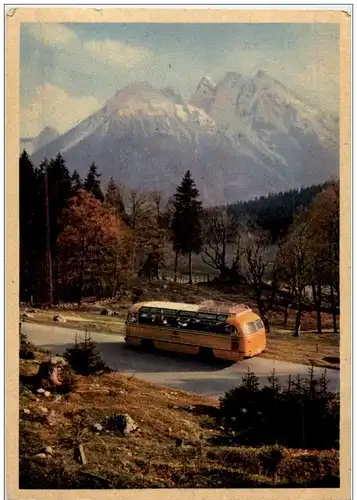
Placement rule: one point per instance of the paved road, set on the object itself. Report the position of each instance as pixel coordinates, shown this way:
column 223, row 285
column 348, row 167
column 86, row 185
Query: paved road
column 188, row 374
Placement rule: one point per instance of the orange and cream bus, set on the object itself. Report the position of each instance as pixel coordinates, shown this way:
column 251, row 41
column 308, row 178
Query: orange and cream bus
column 209, row 329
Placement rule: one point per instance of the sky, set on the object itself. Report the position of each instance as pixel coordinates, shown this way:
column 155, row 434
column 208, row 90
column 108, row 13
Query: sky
column 69, row 70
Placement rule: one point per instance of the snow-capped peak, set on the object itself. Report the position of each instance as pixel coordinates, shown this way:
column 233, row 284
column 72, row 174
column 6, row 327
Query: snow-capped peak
column 206, row 81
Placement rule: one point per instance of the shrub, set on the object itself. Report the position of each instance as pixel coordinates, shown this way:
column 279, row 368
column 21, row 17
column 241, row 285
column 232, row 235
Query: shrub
column 84, row 357
column 27, row 349
column 303, row 415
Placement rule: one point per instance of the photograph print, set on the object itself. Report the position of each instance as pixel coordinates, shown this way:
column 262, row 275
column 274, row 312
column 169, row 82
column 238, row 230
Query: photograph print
column 179, row 255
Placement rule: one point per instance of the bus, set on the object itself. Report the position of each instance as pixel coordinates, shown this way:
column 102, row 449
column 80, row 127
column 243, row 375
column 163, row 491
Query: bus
column 210, row 329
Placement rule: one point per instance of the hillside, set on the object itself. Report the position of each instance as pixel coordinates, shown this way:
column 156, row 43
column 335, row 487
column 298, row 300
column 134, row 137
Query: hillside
column 178, row 443
column 276, row 211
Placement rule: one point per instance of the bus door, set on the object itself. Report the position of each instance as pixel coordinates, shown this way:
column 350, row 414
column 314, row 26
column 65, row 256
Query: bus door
column 232, row 331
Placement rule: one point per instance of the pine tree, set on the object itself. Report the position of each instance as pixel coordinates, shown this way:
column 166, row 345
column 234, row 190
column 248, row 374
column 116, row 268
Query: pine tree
column 31, row 234
column 92, row 182
column 186, row 223
column 84, row 358
column 77, row 183
column 113, row 198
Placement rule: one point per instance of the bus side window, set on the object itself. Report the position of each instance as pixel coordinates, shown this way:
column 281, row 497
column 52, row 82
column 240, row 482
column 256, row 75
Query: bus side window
column 145, row 316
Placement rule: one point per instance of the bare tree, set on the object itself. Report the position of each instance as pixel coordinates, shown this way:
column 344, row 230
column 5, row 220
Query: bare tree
column 222, row 236
column 257, row 264
column 296, row 258
column 324, row 221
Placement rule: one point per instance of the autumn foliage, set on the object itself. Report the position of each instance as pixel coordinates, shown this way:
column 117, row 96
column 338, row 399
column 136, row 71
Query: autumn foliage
column 93, row 246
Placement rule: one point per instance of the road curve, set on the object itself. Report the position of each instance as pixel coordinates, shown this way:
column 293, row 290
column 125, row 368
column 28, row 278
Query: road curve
column 188, row 374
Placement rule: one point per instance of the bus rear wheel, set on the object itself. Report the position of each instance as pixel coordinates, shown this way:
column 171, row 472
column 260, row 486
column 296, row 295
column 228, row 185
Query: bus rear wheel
column 206, row 354
column 147, row 345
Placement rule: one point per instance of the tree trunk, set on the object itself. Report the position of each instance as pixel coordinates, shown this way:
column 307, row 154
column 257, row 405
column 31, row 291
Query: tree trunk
column 176, row 262
column 286, row 315
column 190, row 268
column 298, row 318
column 333, row 305
column 317, row 302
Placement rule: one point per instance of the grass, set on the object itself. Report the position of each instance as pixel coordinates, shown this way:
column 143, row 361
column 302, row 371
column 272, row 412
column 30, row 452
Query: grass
column 150, row 457
column 319, row 349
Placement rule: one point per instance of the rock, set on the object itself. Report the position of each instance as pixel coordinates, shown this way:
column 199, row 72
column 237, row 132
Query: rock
column 59, row 318
column 47, row 394
column 48, row 450
column 27, row 411
column 51, row 418
column 40, row 391
column 98, row 427
column 164, row 287
column 27, row 315
column 57, row 398
column 54, row 373
column 106, row 312
column 58, row 360
column 43, row 409
column 40, row 457
column 124, row 423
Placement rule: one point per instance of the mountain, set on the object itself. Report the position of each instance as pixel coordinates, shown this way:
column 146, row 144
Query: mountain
column 291, row 142
column 32, row 144
column 145, row 139
column 241, row 137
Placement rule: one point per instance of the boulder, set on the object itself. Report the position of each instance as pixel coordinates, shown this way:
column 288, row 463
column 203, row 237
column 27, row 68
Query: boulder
column 58, row 360
column 59, row 319
column 52, row 374
column 40, row 457
column 106, row 312
column 97, row 427
column 27, row 315
column 123, row 423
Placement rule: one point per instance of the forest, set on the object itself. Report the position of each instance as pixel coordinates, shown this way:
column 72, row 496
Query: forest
column 79, row 238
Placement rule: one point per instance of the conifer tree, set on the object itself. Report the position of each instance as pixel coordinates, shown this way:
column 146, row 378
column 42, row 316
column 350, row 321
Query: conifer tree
column 77, row 182
column 30, row 231
column 113, row 198
column 186, row 223
column 92, row 182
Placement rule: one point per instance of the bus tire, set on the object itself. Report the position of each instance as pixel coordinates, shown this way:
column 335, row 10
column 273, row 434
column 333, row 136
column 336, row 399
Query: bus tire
column 206, row 354
column 147, row 345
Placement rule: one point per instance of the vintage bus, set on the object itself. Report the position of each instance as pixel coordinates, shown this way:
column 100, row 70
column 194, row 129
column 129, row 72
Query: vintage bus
column 210, row 329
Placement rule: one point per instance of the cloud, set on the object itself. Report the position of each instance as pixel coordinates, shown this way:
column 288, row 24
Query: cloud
column 52, row 106
column 51, row 33
column 116, row 53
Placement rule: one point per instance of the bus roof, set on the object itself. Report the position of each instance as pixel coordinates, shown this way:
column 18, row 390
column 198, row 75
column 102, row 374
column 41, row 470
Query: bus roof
column 208, row 306
column 169, row 305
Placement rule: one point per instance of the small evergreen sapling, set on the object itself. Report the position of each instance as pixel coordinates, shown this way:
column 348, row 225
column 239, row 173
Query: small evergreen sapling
column 85, row 358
